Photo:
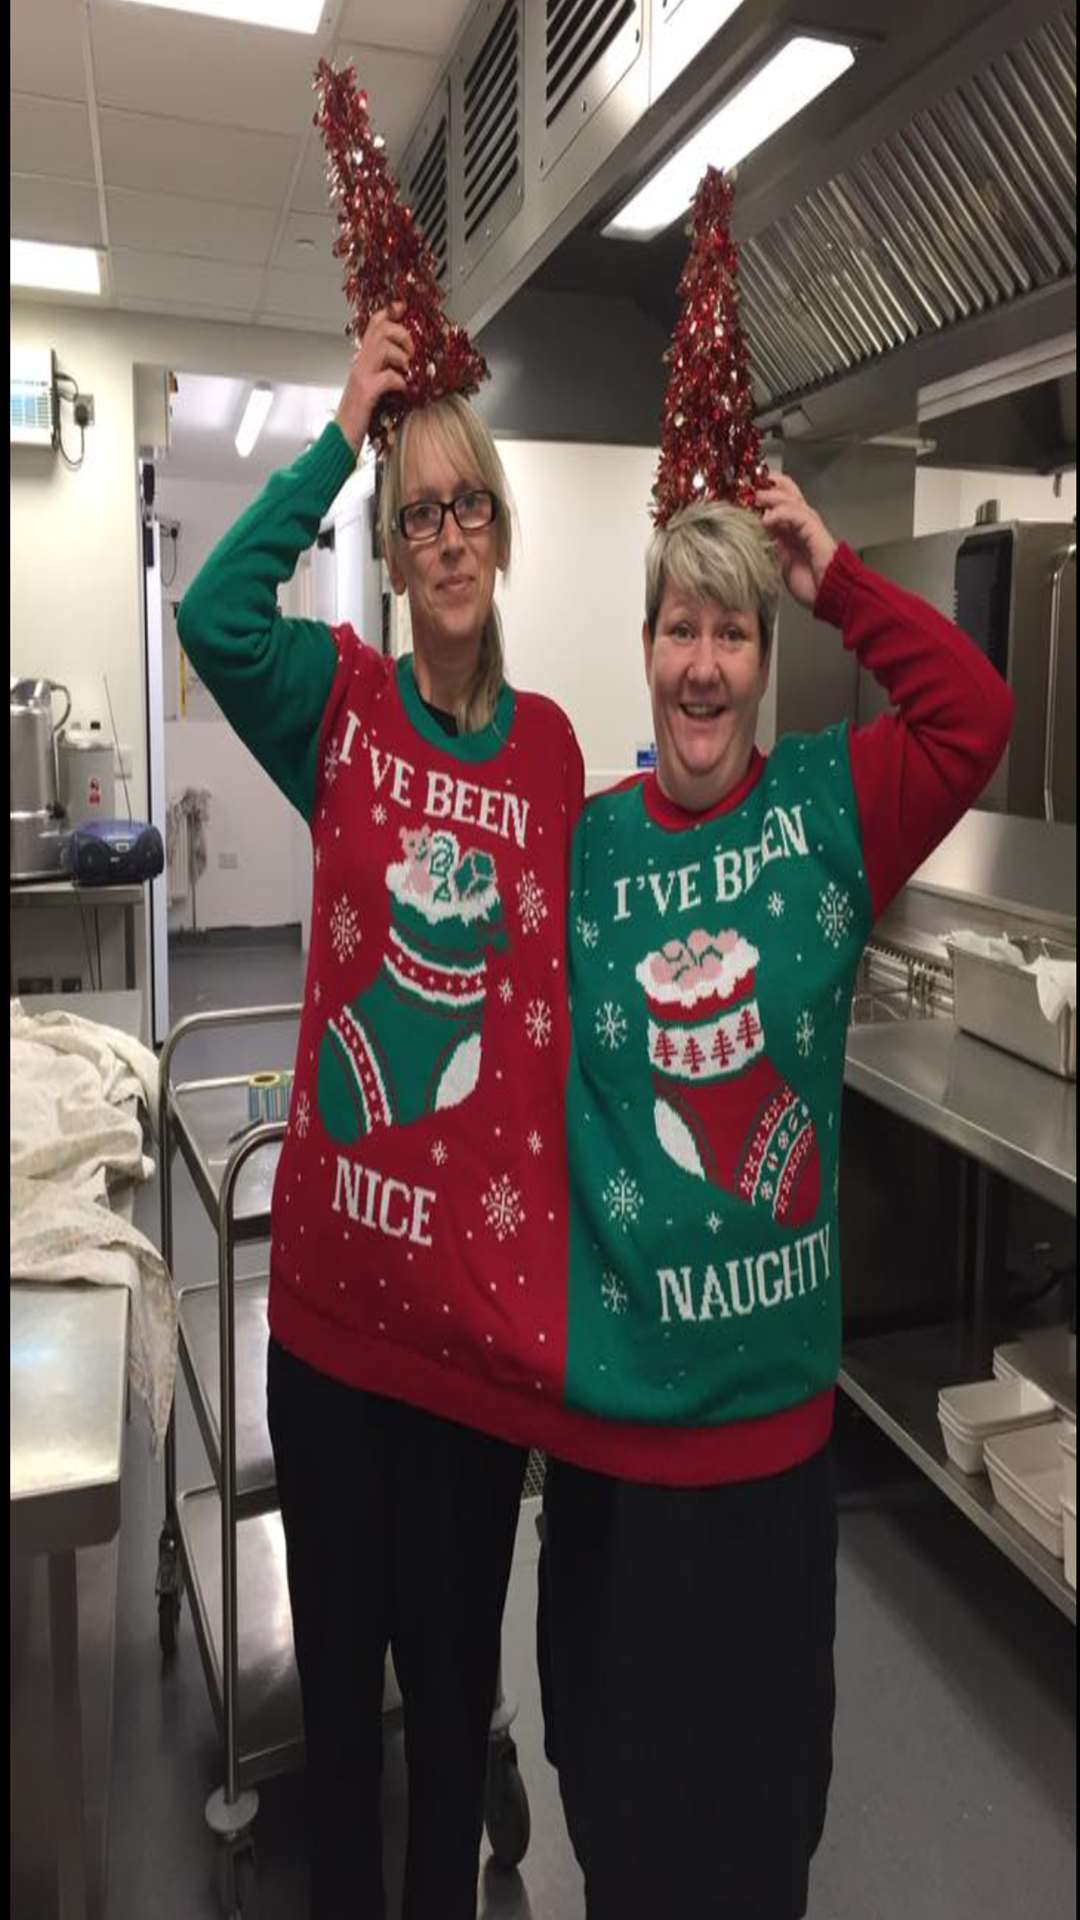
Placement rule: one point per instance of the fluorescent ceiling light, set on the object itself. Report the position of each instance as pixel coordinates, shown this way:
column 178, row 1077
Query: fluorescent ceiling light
column 260, row 401
column 292, row 16
column 61, row 269
column 802, row 69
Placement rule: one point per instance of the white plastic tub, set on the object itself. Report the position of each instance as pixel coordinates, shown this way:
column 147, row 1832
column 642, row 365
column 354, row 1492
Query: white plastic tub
column 1068, row 1456
column 1007, row 1361
column 992, row 1406
column 1068, row 1518
column 971, row 1414
column 1027, row 1477
column 964, row 1450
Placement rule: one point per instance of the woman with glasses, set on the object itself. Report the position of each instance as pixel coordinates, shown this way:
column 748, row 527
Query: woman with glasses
column 419, row 1210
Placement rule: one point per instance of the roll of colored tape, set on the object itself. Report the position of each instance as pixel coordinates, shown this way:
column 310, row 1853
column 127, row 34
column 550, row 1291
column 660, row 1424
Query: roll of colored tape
column 269, row 1095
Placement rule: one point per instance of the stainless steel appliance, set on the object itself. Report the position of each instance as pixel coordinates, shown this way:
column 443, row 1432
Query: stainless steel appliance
column 37, row 818
column 87, row 781
column 1011, row 585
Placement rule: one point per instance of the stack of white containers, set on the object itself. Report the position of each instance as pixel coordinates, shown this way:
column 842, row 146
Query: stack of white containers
column 1068, row 1498
column 1028, row 1478
column 984, row 1410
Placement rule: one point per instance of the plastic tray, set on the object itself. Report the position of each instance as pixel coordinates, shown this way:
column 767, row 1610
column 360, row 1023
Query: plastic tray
column 964, row 1452
column 1027, row 1476
column 992, row 1406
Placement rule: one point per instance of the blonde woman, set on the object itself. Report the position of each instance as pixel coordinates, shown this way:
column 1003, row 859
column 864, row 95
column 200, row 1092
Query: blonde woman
column 419, row 1210
column 688, row 1572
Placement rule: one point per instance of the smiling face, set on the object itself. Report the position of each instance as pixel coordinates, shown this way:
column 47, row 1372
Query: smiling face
column 450, row 580
column 707, row 673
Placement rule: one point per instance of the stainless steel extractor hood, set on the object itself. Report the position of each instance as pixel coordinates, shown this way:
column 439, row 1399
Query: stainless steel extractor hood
column 917, row 219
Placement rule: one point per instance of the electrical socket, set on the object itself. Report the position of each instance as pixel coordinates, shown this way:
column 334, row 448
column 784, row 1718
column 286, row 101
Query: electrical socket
column 227, row 862
column 71, row 983
column 170, row 529
column 84, row 409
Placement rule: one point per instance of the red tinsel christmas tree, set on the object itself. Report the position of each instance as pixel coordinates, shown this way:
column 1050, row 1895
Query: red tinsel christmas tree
column 709, row 447
column 387, row 258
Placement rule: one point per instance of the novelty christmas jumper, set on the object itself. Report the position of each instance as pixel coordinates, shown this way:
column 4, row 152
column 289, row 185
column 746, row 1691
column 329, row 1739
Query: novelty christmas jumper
column 712, row 959
column 419, row 1211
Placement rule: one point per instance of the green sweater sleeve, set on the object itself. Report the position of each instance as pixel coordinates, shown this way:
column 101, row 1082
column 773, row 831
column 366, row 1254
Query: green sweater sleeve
column 270, row 676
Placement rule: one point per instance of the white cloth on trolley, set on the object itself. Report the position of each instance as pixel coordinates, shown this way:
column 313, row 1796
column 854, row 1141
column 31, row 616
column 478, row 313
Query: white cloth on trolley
column 76, row 1147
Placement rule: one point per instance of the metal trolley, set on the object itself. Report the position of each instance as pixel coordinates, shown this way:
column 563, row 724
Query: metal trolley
column 225, row 1541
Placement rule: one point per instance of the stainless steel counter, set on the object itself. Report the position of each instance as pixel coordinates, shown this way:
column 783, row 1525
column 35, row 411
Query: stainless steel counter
column 1014, row 1118
column 68, row 1376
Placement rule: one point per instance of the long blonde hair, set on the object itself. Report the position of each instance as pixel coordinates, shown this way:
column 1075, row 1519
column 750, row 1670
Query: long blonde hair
column 468, row 441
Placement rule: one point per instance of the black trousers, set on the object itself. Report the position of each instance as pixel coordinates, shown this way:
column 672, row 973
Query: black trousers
column 686, row 1661
column 399, row 1531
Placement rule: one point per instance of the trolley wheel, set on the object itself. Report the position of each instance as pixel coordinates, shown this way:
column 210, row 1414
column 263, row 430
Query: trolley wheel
column 168, row 1621
column 506, row 1805
column 168, row 1587
column 238, row 1880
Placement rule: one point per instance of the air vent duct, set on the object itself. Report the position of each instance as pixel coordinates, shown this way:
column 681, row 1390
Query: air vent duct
column 489, row 83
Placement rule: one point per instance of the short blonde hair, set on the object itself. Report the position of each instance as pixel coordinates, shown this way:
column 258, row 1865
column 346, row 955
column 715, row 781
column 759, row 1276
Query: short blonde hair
column 719, row 552
column 468, row 442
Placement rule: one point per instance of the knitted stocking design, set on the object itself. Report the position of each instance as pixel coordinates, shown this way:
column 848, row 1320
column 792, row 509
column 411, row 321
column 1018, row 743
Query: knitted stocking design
column 410, row 1044
column 722, row 1111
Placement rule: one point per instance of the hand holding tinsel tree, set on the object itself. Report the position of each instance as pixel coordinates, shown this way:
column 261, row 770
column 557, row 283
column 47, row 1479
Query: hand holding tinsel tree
column 710, row 448
column 387, row 258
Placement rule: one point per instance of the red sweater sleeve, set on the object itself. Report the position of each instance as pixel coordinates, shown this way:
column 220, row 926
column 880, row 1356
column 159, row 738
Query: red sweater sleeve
column 919, row 767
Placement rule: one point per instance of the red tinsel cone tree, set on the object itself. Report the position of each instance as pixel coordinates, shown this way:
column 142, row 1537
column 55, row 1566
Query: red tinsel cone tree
column 386, row 256
column 709, row 448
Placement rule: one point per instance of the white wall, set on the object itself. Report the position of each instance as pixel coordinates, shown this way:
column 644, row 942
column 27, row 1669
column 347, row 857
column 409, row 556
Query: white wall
column 75, row 558
column 76, row 569
column 946, row 497
column 250, row 820
column 573, row 605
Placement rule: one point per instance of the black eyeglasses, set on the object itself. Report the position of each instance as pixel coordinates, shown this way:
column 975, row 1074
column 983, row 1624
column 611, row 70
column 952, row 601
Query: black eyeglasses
column 423, row 519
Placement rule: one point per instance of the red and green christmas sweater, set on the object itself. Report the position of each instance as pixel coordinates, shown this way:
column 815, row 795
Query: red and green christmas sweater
column 712, row 960
column 619, row 1246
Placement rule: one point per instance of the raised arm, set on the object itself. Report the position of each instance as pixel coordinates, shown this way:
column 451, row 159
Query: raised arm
column 919, row 767
column 272, row 676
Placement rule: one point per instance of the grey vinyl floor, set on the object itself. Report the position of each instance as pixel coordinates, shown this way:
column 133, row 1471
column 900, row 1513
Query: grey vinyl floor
column 954, row 1792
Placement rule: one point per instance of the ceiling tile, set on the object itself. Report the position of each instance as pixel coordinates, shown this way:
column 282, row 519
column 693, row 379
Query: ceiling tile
column 56, row 210
column 169, row 276
column 51, row 137
column 306, row 296
column 398, row 87
column 207, row 163
column 168, row 223
column 306, row 246
column 297, row 323
column 185, row 309
column 149, row 61
column 311, row 193
column 46, row 49
column 424, row 26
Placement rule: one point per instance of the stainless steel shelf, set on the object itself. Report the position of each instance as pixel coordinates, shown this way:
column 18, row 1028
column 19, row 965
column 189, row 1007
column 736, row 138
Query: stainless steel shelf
column 895, row 1378
column 208, row 1117
column 200, row 1357
column 1014, row 1118
column 270, row 1721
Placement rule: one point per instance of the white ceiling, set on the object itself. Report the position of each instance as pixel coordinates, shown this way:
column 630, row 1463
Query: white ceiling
column 205, row 412
column 184, row 147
